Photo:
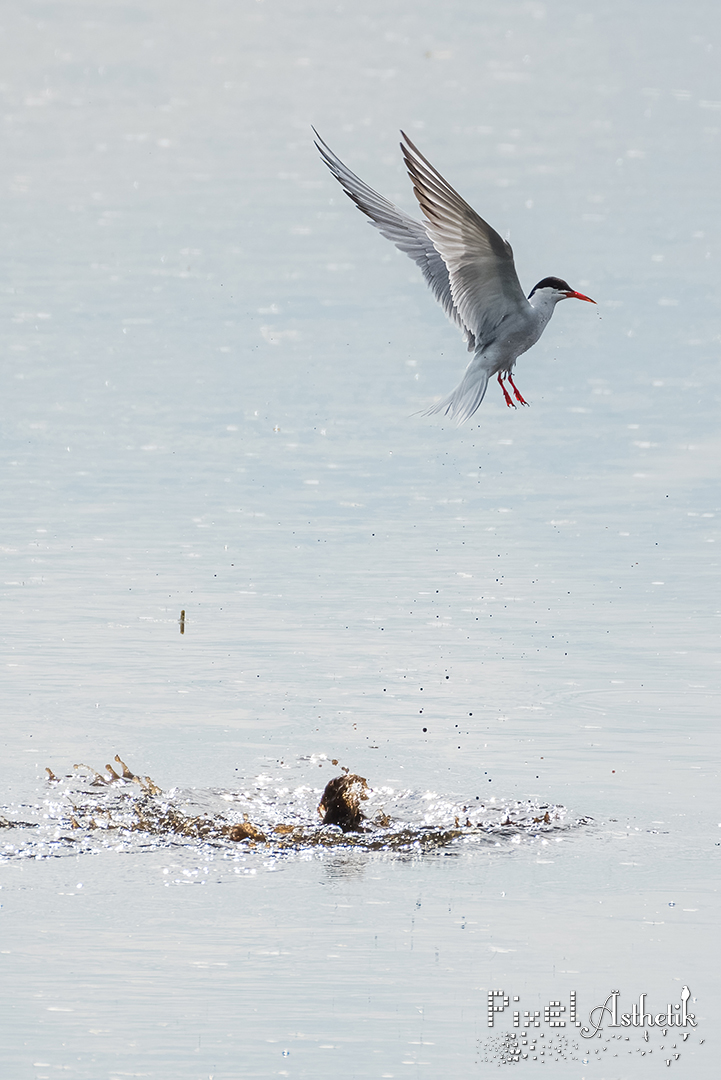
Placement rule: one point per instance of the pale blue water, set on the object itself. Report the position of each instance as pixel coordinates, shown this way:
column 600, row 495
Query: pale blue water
column 211, row 370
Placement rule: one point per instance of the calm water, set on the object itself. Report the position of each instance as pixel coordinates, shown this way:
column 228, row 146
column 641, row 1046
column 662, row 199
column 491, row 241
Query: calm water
column 211, row 371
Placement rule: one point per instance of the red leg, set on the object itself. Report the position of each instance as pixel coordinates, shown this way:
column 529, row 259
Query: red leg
column 506, row 395
column 516, row 391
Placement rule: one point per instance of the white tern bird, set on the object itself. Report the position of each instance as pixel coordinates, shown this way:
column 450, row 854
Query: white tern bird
column 470, row 271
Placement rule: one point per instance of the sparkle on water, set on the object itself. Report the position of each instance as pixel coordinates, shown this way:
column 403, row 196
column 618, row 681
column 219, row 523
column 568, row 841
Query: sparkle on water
column 213, row 372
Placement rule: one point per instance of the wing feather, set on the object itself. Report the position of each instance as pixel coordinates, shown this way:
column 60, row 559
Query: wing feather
column 410, row 236
column 483, row 282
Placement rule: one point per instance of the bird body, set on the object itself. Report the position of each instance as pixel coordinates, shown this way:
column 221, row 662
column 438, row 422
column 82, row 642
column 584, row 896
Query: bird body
column 470, row 271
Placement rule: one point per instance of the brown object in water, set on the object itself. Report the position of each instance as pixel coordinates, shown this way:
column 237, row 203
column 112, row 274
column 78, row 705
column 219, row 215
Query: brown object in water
column 245, row 830
column 341, row 800
column 127, row 775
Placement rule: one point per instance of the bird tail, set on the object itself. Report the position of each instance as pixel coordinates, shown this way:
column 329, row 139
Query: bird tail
column 467, row 396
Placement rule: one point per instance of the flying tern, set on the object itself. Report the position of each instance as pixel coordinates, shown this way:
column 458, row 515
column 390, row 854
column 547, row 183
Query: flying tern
column 470, row 271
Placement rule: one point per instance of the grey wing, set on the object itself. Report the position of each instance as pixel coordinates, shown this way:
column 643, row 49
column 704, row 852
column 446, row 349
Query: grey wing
column 484, row 285
column 405, row 232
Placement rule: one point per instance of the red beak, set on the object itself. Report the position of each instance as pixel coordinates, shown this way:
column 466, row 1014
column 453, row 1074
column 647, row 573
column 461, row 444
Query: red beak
column 579, row 296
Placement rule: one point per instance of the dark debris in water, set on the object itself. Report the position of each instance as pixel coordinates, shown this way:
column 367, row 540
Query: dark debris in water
column 341, row 801
column 116, row 806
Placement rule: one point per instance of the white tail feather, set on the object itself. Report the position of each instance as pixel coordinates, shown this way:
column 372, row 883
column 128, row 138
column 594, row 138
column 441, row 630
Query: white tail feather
column 467, row 396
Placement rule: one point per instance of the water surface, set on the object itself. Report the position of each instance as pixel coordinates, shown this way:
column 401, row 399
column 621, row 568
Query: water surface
column 212, row 371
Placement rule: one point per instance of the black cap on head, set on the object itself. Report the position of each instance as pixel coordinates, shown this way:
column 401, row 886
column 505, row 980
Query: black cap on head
column 556, row 283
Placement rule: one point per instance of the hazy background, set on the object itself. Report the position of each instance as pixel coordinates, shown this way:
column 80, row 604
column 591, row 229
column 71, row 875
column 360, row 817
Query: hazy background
column 211, row 370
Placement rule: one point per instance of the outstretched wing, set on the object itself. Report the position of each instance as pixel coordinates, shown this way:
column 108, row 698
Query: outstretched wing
column 412, row 237
column 484, row 285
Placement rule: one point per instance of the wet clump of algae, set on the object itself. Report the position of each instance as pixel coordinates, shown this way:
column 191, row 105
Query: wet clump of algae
column 146, row 810
column 340, row 806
